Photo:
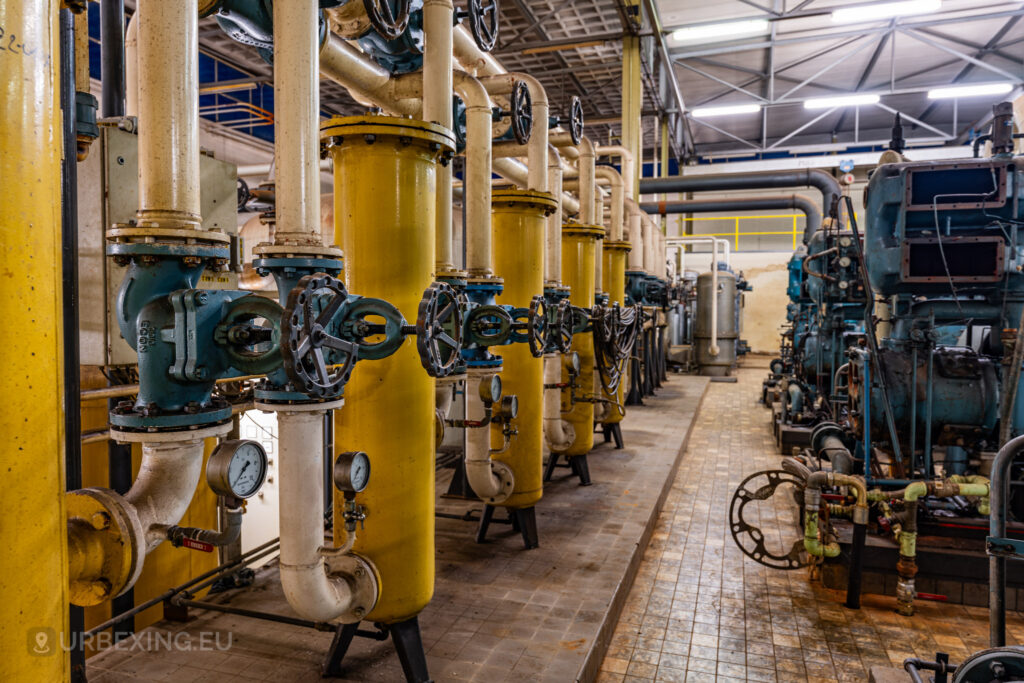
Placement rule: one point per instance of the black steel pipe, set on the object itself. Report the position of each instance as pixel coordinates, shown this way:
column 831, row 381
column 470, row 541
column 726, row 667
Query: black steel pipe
column 818, row 179
column 856, row 575
column 112, row 63
column 69, row 276
column 999, row 496
column 798, row 202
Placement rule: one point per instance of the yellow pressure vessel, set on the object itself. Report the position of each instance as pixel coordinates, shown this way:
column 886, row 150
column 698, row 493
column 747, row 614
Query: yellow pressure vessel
column 385, row 186
column 34, row 576
column 579, row 251
column 614, row 276
column 518, row 225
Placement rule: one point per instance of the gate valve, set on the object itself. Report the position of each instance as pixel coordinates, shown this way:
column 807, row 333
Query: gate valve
column 483, row 22
column 520, row 112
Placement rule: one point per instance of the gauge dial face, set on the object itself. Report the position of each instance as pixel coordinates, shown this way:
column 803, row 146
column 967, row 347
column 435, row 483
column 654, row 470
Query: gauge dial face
column 495, row 387
column 360, row 472
column 247, row 469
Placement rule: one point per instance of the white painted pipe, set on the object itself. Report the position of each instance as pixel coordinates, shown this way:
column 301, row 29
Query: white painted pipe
column 636, row 252
column 479, row 262
column 617, row 199
column 553, row 228
column 537, row 147
column 366, row 80
column 648, row 237
column 724, row 245
column 311, row 592
column 437, row 108
column 167, row 480
column 168, row 54
column 627, row 163
column 297, row 124
column 559, row 434
column 491, row 480
column 131, row 67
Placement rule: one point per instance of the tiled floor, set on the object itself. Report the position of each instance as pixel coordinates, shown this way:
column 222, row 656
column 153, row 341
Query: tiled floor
column 499, row 612
column 702, row 611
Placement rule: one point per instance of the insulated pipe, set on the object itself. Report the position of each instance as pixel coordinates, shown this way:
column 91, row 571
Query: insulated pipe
column 636, row 240
column 164, row 487
column 34, row 580
column 168, row 54
column 478, row 174
column 297, row 125
column 813, row 216
column 587, row 171
column 824, row 182
column 619, row 185
column 366, row 80
column 553, row 232
column 537, row 154
column 650, row 256
column 999, row 492
column 438, row 19
column 491, row 480
column 131, row 67
column 628, row 165
column 309, row 588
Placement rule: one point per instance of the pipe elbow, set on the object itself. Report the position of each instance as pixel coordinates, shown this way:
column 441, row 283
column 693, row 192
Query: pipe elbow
column 316, row 595
column 491, row 480
column 472, row 91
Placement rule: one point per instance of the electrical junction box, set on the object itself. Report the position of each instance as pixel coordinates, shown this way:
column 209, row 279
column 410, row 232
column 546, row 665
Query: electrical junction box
column 108, row 193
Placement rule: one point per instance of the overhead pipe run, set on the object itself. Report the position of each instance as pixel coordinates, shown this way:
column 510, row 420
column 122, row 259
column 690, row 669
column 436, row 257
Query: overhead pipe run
column 799, row 202
column 825, row 183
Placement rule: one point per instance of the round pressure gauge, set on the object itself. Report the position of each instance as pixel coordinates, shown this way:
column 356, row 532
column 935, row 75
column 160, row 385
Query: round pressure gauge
column 509, row 409
column 237, row 468
column 844, row 261
column 352, row 471
column 845, row 241
column 490, row 389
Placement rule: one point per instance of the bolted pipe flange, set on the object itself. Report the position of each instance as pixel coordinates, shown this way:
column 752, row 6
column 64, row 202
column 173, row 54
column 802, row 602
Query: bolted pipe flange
column 507, row 479
column 363, row 581
column 106, row 544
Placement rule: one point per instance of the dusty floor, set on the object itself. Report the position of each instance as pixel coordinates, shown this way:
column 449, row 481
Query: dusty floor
column 499, row 612
column 702, row 611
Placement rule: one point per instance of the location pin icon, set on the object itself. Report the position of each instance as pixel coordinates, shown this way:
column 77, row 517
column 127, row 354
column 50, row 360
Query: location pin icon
column 42, row 641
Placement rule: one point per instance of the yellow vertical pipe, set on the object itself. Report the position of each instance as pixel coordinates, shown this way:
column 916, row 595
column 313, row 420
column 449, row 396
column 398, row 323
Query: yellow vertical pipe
column 632, row 104
column 385, row 185
column 579, row 251
column 518, row 223
column 34, row 579
column 614, row 272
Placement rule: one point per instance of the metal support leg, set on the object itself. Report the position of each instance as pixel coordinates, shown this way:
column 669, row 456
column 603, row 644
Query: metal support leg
column 339, row 647
column 613, row 431
column 527, row 522
column 549, row 468
column 409, row 645
column 485, row 523
column 581, row 469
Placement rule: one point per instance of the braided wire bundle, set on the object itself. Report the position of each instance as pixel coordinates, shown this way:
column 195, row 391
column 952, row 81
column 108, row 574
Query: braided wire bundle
column 615, row 333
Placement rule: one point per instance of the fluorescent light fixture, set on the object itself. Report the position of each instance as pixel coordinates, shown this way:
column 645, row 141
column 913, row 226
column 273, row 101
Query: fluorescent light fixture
column 970, row 91
column 841, row 101
column 722, row 31
column 708, row 112
column 885, row 10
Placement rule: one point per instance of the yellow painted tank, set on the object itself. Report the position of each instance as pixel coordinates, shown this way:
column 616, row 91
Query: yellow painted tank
column 614, row 275
column 34, row 579
column 518, row 225
column 579, row 251
column 384, row 211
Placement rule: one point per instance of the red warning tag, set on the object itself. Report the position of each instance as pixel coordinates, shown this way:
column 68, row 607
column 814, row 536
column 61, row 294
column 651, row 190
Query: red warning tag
column 197, row 545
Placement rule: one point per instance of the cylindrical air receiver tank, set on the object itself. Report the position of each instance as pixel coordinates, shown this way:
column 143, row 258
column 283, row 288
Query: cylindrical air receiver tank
column 720, row 364
column 518, row 224
column 384, row 210
column 579, row 250
column 614, row 273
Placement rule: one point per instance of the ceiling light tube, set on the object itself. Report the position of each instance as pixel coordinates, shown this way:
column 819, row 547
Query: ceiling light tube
column 885, row 10
column 957, row 91
column 842, row 101
column 708, row 112
column 722, row 31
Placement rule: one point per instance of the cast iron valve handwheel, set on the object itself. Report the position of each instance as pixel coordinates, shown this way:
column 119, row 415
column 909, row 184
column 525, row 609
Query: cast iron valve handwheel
column 488, row 325
column 748, row 492
column 389, row 23
column 483, row 23
column 539, row 331
column 521, row 114
column 439, row 330
column 318, row 363
column 253, row 349
column 576, row 120
column 357, row 328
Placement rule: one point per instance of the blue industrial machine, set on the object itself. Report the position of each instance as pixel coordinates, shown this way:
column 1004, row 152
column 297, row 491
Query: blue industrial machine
column 919, row 406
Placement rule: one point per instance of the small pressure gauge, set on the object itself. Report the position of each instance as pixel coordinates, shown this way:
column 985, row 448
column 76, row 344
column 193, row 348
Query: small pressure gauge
column 237, row 468
column 844, row 261
column 845, row 241
column 509, row 408
column 352, row 471
column 572, row 362
column 490, row 389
